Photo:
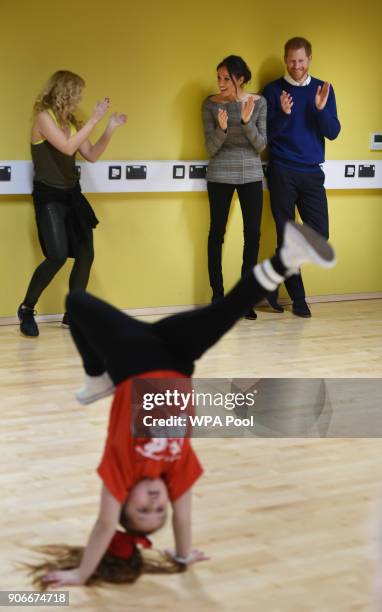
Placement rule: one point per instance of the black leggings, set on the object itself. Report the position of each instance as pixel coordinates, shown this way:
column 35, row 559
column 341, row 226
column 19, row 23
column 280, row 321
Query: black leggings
column 110, row 340
column 53, row 231
column 251, row 203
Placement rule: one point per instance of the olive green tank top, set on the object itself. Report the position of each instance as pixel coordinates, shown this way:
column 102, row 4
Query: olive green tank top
column 52, row 167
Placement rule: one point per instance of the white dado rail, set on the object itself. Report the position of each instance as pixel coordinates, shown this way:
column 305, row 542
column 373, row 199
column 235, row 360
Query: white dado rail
column 124, row 176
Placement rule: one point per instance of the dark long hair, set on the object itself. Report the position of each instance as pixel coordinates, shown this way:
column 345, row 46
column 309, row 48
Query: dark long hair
column 236, row 67
column 110, row 569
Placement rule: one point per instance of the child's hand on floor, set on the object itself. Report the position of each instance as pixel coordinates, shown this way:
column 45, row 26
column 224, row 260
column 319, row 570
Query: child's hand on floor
column 194, row 557
column 59, row 577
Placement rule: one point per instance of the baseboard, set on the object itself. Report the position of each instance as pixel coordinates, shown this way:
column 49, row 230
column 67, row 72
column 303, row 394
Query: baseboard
column 340, row 297
column 163, row 310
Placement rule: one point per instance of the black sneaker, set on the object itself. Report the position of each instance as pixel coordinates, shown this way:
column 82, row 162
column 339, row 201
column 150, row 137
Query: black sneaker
column 65, row 321
column 28, row 325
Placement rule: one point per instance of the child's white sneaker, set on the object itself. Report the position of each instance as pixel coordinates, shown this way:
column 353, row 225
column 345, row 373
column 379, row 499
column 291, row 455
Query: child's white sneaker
column 94, row 388
column 303, row 245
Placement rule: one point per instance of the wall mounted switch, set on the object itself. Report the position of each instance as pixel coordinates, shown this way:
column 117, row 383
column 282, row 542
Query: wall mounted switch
column 115, row 173
column 376, row 141
column 136, row 172
column 5, row 173
column 178, row 172
column 366, row 171
column 349, row 170
column 198, row 171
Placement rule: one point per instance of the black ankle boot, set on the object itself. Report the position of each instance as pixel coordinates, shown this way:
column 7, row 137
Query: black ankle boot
column 301, row 309
column 251, row 315
column 273, row 303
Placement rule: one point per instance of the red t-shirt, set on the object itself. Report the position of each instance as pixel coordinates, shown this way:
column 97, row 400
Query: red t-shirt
column 127, row 460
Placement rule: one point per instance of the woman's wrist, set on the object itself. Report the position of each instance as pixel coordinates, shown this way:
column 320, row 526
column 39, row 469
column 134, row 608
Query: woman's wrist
column 93, row 121
column 110, row 129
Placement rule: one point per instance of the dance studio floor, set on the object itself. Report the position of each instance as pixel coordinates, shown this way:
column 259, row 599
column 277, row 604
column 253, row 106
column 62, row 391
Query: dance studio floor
column 288, row 522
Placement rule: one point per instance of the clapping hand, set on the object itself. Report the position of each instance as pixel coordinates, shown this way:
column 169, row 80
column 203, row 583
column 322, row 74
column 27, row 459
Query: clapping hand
column 222, row 119
column 101, row 109
column 247, row 107
column 322, row 95
column 286, row 102
column 117, row 120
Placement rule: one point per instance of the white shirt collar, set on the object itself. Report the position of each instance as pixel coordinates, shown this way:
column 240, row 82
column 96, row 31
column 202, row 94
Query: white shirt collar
column 289, row 79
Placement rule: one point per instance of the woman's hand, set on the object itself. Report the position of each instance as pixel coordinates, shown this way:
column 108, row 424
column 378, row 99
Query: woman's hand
column 60, row 577
column 322, row 95
column 247, row 107
column 286, row 102
column 116, row 120
column 194, row 557
column 222, row 119
column 101, row 109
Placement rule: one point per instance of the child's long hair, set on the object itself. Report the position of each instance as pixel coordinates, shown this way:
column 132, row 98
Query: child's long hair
column 62, row 89
column 110, row 569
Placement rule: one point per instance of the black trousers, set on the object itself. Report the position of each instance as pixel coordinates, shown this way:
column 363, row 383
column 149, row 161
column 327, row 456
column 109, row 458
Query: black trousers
column 110, row 340
column 305, row 190
column 54, row 232
column 251, row 203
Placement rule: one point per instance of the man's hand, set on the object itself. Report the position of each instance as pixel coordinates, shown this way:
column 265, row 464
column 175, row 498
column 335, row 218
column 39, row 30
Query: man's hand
column 286, row 102
column 322, row 95
column 61, row 577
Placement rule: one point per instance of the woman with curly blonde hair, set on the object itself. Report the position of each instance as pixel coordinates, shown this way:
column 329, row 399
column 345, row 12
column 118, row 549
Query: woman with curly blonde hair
column 64, row 217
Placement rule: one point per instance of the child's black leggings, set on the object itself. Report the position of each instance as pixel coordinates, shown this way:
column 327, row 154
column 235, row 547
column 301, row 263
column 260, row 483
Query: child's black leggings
column 110, row 340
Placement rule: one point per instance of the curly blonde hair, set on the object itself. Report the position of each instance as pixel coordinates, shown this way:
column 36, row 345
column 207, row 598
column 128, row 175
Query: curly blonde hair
column 60, row 92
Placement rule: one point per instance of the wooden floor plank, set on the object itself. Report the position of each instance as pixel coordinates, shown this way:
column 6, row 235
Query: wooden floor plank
column 287, row 521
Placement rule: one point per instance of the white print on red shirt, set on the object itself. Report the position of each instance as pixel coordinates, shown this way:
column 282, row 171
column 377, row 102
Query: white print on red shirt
column 161, row 449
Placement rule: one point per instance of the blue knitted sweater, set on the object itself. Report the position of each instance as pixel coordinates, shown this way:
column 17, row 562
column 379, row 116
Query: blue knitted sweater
column 298, row 140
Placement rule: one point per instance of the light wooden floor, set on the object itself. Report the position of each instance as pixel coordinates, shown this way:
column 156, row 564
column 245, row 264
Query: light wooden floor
column 287, row 522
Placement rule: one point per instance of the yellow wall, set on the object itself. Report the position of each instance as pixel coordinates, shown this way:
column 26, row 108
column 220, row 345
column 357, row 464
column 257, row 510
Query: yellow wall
column 156, row 60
